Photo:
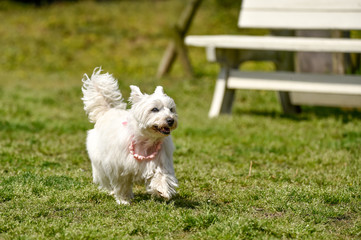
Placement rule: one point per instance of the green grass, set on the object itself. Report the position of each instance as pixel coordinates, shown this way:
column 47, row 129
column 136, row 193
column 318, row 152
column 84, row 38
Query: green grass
column 305, row 181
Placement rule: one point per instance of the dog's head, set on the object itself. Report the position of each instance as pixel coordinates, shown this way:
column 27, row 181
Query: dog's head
column 156, row 113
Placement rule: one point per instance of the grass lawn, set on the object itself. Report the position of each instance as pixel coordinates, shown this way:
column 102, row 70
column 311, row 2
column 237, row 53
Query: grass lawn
column 305, row 180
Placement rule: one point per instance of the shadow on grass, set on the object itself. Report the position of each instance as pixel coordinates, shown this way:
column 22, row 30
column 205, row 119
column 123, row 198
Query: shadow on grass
column 308, row 113
column 184, row 202
column 179, row 201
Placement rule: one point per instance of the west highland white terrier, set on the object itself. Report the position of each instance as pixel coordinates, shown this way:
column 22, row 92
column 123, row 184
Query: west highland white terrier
column 129, row 145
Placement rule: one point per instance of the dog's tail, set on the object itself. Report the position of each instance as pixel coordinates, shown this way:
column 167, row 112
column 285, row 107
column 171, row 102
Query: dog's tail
column 101, row 92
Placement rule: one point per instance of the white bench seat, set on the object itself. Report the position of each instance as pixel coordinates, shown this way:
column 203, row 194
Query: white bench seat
column 276, row 43
column 291, row 82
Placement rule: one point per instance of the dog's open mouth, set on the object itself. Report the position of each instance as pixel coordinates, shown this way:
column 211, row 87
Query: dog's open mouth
column 163, row 130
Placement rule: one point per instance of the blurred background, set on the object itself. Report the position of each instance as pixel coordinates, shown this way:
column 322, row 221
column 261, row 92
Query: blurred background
column 51, row 44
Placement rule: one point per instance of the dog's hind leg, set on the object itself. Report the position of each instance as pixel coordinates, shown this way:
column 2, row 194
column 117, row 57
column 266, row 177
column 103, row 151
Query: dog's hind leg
column 100, row 178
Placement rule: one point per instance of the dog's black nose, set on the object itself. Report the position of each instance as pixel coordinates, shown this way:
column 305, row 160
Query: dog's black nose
column 170, row 121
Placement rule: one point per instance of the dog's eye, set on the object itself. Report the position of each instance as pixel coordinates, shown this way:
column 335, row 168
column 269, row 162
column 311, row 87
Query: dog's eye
column 155, row 110
column 172, row 110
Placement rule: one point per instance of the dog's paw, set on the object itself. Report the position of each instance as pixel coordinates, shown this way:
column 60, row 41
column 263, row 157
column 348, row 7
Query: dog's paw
column 122, row 201
column 164, row 195
column 159, row 192
column 162, row 192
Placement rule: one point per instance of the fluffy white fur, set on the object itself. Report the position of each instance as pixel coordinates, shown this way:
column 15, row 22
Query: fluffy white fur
column 150, row 120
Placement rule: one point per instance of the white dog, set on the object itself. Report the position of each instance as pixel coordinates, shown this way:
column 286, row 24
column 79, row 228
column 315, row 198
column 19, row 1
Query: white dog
column 131, row 145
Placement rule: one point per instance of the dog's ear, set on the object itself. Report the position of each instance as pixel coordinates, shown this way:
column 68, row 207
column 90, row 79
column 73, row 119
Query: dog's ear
column 135, row 94
column 159, row 90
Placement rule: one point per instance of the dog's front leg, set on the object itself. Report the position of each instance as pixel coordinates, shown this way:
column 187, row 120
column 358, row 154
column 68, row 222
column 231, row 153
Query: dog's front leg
column 123, row 190
column 162, row 184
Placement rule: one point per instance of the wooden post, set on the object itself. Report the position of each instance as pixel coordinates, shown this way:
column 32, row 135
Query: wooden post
column 176, row 47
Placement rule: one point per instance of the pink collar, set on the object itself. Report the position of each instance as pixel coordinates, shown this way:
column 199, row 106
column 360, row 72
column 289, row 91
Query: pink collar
column 144, row 158
column 140, row 157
